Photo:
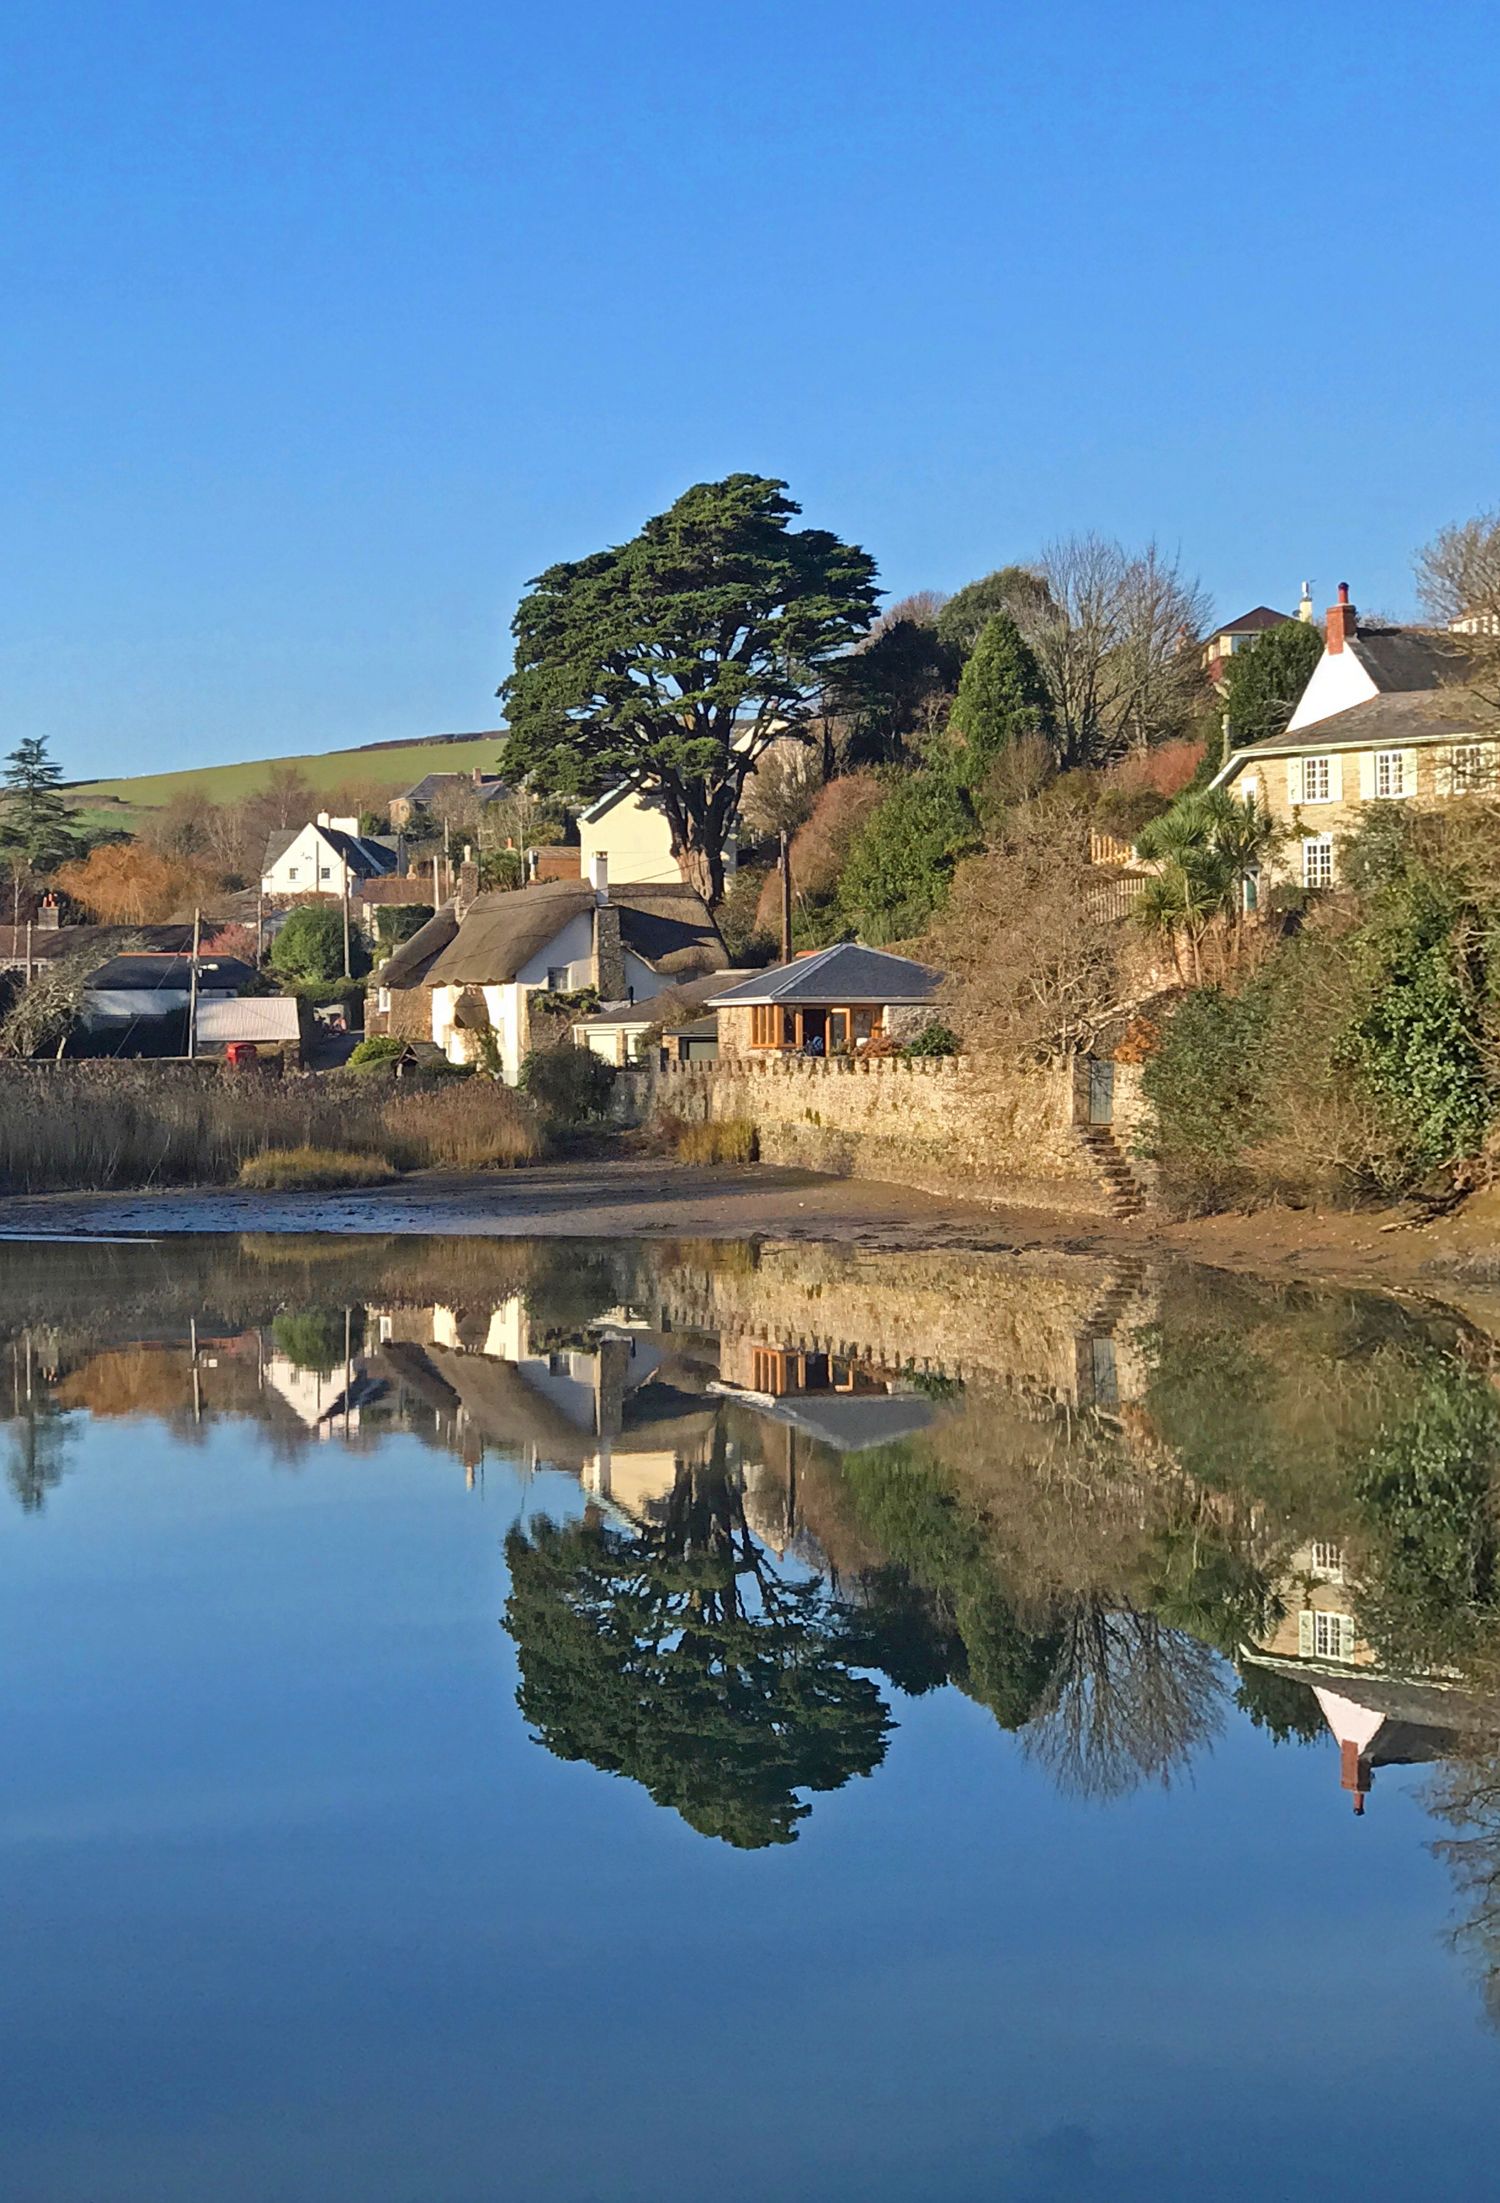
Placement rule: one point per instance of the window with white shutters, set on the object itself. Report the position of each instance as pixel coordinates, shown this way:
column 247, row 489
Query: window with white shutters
column 1317, row 779
column 1317, row 861
column 1390, row 774
column 1469, row 768
column 1325, row 1636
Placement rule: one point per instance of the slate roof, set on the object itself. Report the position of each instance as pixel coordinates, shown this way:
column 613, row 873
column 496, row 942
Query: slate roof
column 488, row 790
column 851, row 1421
column 1250, row 623
column 363, row 853
column 847, row 973
column 1410, row 659
column 1380, row 722
column 55, row 941
column 366, row 856
column 146, row 974
column 691, row 993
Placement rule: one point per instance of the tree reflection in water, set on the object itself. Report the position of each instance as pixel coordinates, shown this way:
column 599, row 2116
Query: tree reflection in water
column 680, row 1656
column 1131, row 1700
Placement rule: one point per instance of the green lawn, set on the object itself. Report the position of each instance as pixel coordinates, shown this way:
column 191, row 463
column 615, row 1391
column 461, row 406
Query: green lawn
column 391, row 768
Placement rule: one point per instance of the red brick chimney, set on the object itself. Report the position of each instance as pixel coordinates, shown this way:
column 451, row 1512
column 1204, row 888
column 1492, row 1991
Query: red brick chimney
column 1343, row 620
column 1354, row 1776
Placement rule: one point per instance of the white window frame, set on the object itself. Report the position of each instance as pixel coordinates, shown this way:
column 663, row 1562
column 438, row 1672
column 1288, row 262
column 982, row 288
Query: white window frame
column 1320, row 780
column 1318, row 843
column 291, row 871
column 325, row 871
column 1470, row 768
column 1325, row 1635
column 383, row 1000
column 1393, row 764
column 557, row 978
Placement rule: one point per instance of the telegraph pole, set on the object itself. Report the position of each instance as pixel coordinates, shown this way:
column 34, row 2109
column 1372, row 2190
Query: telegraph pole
column 346, row 920
column 192, row 1031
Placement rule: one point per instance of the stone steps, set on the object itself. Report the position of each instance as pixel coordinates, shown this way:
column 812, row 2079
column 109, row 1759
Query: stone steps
column 1121, row 1183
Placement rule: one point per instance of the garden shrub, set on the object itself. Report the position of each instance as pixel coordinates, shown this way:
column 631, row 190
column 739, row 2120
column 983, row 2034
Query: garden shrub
column 571, row 1086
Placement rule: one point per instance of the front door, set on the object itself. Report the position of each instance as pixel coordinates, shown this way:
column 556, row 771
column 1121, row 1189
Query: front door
column 1101, row 1091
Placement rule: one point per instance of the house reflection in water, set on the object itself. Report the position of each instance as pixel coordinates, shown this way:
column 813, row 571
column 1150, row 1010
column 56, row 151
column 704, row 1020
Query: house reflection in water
column 1378, row 1717
column 607, row 1404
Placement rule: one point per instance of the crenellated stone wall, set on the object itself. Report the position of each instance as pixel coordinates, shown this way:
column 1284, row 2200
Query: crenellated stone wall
column 979, row 1129
column 1024, row 1323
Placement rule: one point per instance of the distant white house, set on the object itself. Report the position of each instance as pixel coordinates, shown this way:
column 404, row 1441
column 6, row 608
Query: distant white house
column 329, row 856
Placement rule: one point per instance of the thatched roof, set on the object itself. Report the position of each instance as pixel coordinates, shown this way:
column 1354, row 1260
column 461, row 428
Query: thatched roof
column 504, row 930
column 669, row 927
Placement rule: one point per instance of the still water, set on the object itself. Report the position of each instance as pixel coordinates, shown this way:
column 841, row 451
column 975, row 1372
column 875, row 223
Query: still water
column 597, row 1724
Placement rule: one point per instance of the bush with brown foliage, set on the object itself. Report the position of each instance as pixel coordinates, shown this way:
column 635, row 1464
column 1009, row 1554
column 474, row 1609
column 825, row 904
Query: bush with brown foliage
column 820, row 848
column 1037, row 969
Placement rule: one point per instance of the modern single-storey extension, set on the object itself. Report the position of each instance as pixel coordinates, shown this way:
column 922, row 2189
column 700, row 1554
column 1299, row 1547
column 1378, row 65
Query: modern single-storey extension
column 143, row 988
column 835, row 1001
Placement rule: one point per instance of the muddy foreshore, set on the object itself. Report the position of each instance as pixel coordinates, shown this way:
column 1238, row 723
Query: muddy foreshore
column 635, row 1198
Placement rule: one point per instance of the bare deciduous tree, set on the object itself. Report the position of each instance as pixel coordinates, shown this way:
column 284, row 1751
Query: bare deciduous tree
column 781, row 792
column 1118, row 647
column 1458, row 581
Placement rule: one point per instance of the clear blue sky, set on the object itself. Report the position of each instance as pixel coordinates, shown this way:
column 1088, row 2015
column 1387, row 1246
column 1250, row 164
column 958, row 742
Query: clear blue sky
column 326, row 326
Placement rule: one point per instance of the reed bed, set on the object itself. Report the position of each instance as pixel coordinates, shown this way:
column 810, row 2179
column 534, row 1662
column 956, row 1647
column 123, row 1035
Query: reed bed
column 94, row 1127
column 720, row 1140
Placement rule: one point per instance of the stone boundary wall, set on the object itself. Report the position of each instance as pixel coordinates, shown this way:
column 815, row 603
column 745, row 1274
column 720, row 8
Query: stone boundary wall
column 979, row 1129
column 1022, row 1323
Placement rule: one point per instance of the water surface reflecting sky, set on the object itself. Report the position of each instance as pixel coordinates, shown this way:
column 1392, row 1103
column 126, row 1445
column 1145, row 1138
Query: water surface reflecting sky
column 988, row 1712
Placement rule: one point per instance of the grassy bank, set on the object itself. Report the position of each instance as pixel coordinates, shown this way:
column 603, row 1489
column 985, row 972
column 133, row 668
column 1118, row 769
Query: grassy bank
column 96, row 1127
column 391, row 766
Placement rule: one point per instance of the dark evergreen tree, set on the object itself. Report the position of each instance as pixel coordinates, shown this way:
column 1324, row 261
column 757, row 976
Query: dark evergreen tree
column 36, row 823
column 1262, row 683
column 675, row 660
column 1002, row 699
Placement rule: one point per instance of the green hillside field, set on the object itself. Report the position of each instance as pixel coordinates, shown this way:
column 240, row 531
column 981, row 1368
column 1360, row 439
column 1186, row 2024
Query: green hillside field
column 389, row 766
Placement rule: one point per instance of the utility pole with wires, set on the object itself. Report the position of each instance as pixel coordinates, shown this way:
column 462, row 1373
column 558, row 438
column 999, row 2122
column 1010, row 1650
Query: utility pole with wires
column 345, row 900
column 192, row 1031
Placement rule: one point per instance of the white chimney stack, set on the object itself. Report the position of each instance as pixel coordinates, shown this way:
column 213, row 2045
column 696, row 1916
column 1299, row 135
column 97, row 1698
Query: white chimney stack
column 599, row 875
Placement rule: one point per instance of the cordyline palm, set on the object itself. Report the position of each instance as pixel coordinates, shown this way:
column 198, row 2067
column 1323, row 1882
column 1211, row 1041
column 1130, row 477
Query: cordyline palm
column 1206, row 846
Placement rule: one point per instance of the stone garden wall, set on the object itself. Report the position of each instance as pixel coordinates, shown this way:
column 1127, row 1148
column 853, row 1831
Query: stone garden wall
column 977, row 1129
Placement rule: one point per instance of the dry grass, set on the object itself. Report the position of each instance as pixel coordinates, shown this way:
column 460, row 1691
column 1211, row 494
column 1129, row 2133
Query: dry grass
column 85, row 1127
column 476, row 1126
column 313, row 1170
column 730, row 1140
